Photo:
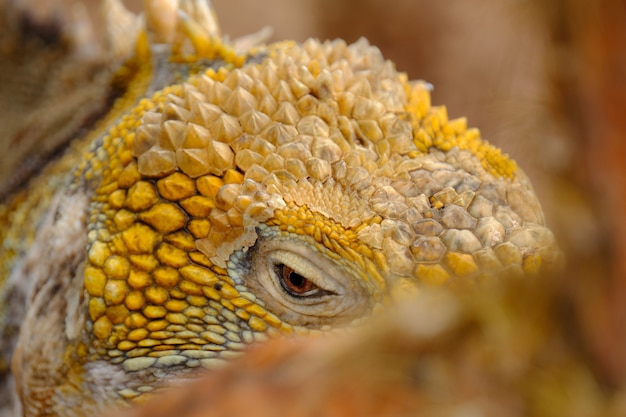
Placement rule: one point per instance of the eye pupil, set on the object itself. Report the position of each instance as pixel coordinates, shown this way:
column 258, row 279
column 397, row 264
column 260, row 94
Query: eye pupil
column 296, row 280
column 294, row 283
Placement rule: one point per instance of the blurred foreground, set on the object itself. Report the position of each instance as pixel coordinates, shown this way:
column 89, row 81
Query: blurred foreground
column 501, row 351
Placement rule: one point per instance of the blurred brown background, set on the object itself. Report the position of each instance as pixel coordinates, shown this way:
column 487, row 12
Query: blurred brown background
column 543, row 80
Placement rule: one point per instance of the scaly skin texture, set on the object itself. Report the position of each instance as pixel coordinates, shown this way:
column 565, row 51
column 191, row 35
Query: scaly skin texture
column 230, row 197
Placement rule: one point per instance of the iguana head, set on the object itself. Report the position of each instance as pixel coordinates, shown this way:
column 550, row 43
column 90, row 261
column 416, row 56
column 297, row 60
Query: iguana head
column 289, row 189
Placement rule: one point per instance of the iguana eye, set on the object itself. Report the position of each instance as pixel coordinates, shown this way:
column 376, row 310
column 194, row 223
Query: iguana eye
column 296, row 284
column 299, row 280
column 300, row 283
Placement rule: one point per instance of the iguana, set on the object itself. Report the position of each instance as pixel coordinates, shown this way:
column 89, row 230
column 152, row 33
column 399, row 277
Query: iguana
column 216, row 194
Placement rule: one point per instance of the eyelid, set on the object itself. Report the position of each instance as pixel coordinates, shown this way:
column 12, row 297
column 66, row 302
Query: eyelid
column 317, row 291
column 307, row 269
column 346, row 296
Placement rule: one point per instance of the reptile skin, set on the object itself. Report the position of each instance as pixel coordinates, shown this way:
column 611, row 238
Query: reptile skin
column 227, row 197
